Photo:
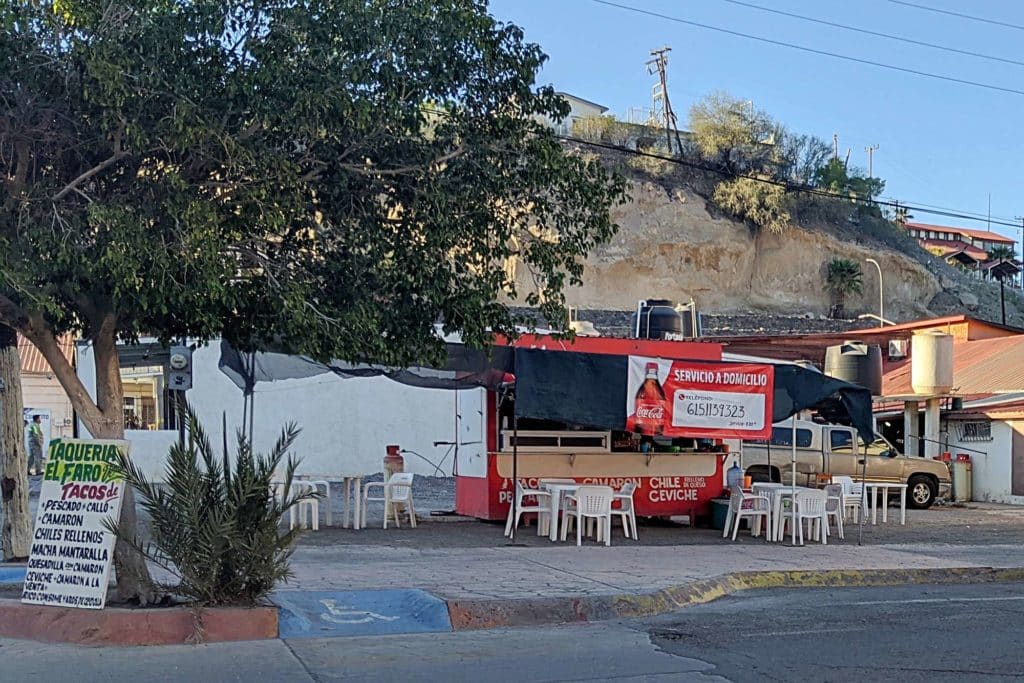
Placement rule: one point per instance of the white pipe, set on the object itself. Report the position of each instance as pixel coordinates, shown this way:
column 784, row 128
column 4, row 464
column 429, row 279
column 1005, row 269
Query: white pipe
column 881, row 292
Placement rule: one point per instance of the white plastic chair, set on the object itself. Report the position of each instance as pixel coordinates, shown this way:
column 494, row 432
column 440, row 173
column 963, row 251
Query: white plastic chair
column 542, row 508
column 746, row 505
column 590, row 502
column 395, row 491
column 809, row 506
column 306, row 505
column 317, row 485
column 853, row 497
column 626, row 510
column 834, row 507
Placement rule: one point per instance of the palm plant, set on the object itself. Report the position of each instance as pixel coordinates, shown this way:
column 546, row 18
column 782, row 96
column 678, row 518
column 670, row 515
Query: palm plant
column 217, row 530
column 1002, row 252
column 843, row 277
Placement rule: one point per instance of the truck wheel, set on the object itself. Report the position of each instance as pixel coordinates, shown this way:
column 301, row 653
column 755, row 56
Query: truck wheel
column 921, row 492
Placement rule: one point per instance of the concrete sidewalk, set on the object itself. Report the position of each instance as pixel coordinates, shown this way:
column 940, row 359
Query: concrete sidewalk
column 568, row 571
column 462, row 575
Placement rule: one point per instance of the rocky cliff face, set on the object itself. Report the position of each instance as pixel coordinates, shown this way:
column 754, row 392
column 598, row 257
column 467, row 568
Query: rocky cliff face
column 671, row 246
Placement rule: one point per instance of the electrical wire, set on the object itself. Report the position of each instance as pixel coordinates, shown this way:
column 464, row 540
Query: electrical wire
column 978, row 214
column 791, row 187
column 994, row 22
column 802, row 48
column 877, row 34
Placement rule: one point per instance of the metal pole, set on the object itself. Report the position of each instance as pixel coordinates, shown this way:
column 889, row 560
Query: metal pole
column 881, row 293
column 793, row 480
column 1002, row 297
column 863, row 494
column 180, row 409
column 515, row 467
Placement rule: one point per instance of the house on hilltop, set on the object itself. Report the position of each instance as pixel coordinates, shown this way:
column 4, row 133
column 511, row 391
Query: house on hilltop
column 579, row 109
column 968, row 249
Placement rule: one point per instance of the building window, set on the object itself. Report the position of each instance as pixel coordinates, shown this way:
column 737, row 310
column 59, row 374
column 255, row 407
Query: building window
column 976, row 431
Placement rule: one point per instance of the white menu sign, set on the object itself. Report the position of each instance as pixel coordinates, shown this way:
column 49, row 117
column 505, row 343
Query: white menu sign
column 69, row 564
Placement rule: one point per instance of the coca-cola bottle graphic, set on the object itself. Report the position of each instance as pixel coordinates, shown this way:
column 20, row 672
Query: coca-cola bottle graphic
column 649, row 408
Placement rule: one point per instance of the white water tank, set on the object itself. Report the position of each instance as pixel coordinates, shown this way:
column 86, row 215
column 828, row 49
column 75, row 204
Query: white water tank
column 931, row 362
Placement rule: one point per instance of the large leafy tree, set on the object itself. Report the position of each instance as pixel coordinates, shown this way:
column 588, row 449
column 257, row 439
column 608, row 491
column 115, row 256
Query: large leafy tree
column 332, row 177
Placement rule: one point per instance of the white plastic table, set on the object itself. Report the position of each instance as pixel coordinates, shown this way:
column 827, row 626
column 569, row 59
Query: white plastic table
column 871, row 489
column 556, row 489
column 777, row 494
column 351, row 486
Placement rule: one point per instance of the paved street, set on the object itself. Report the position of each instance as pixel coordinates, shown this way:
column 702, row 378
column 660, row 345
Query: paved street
column 906, row 633
column 913, row 633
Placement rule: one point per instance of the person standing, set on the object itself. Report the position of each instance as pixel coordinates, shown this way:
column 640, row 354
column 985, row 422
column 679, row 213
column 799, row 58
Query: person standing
column 35, row 445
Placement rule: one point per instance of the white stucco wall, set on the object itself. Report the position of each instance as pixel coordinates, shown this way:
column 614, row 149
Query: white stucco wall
column 346, row 423
column 45, row 392
column 991, row 472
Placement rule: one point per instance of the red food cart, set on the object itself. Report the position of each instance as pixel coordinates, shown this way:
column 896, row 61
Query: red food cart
column 677, row 469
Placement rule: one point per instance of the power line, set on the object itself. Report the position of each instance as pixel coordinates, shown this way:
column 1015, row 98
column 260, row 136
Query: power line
column 825, row 53
column 792, row 187
column 951, row 13
column 978, row 215
column 878, row 34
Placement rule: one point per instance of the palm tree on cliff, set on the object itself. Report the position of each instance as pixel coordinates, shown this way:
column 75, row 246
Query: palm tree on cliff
column 1001, row 252
column 843, row 277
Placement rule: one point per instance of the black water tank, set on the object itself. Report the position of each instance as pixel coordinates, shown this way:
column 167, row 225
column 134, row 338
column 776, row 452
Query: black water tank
column 856, row 362
column 658, row 317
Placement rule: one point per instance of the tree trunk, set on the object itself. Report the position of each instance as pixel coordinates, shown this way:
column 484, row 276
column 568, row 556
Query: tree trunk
column 105, row 420
column 16, row 537
column 134, row 582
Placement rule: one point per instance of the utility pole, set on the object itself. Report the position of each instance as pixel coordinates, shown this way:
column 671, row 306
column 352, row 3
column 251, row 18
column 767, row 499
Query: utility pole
column 1020, row 230
column 871, row 156
column 1002, row 296
column 835, row 146
column 662, row 106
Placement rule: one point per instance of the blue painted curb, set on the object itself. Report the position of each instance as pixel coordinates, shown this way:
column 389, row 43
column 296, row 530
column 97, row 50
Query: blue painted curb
column 12, row 574
column 325, row 614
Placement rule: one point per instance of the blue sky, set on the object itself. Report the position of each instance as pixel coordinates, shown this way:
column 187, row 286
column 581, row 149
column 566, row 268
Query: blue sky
column 941, row 143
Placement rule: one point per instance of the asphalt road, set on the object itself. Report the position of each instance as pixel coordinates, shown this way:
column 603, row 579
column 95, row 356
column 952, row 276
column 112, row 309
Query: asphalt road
column 911, row 633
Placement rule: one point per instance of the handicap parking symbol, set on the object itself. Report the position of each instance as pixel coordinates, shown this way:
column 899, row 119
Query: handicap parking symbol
column 346, row 614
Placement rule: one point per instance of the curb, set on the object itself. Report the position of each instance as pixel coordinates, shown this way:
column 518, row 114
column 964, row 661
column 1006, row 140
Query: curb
column 120, row 626
column 483, row 614
column 177, row 625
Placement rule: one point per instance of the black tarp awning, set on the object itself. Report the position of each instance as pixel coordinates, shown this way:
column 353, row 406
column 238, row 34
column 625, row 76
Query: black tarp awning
column 466, row 368
column 577, row 388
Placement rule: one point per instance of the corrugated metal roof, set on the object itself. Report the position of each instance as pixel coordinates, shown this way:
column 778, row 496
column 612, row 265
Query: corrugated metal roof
column 984, row 366
column 32, row 361
column 935, row 323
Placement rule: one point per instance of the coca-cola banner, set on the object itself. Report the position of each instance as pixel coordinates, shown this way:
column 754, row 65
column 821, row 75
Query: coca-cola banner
column 697, row 399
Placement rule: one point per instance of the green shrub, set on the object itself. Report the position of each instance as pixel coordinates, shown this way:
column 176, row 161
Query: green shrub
column 763, row 204
column 217, row 530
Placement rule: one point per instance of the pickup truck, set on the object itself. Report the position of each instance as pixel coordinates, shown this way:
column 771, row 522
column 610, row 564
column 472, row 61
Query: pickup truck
column 836, row 450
